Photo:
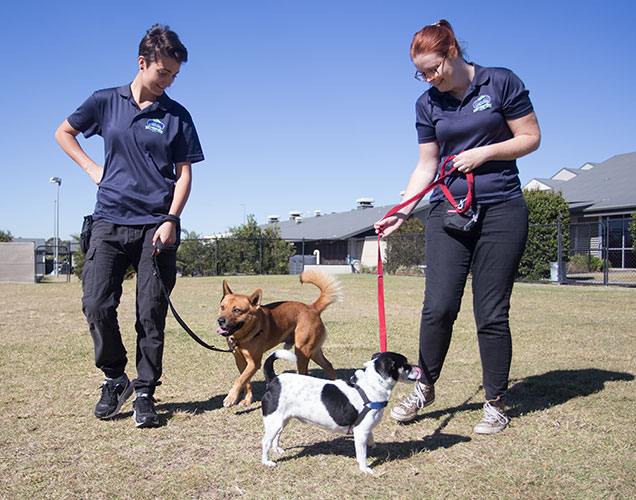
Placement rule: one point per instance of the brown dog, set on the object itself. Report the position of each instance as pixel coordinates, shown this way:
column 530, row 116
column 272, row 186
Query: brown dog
column 252, row 329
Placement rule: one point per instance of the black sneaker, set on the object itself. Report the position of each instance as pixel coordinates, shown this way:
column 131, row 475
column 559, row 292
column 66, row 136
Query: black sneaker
column 113, row 397
column 144, row 412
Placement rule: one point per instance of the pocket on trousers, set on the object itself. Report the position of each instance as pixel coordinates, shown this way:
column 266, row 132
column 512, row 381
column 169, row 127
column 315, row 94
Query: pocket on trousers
column 88, row 273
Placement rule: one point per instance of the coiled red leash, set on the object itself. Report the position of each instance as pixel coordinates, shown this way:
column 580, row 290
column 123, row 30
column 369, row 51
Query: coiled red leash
column 461, row 209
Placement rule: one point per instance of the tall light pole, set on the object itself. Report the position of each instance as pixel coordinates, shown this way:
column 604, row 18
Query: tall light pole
column 57, row 181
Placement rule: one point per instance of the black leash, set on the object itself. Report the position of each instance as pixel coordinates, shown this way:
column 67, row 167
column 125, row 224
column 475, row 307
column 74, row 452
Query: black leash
column 173, row 248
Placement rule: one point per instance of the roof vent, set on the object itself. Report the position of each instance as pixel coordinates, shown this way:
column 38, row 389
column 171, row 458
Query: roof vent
column 365, row 202
column 273, row 219
column 298, row 219
column 317, row 213
column 294, row 213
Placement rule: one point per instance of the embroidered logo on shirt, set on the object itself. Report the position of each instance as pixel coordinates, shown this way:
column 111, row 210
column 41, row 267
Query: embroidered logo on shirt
column 155, row 125
column 482, row 103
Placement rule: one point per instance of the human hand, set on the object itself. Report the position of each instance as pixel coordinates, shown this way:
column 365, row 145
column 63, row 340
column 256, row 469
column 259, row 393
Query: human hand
column 469, row 160
column 167, row 232
column 388, row 225
column 96, row 172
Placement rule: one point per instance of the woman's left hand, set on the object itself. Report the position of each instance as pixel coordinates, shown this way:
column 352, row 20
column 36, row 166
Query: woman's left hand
column 469, row 160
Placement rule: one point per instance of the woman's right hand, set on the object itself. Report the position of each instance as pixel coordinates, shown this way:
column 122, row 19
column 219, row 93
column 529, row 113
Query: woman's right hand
column 388, row 225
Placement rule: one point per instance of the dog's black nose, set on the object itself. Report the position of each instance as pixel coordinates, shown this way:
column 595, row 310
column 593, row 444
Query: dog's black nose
column 221, row 321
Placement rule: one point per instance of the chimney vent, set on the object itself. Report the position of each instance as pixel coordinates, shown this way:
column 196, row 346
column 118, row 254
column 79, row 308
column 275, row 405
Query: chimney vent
column 365, row 202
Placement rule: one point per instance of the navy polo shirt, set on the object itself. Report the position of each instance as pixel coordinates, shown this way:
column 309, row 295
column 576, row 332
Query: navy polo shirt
column 141, row 149
column 494, row 96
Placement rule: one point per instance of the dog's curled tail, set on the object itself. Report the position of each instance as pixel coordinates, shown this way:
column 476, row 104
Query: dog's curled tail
column 268, row 366
column 330, row 291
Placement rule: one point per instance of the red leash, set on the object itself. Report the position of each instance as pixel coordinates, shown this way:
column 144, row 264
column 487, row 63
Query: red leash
column 394, row 210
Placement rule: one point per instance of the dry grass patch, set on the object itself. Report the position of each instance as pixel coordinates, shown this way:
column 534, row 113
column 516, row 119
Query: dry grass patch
column 572, row 397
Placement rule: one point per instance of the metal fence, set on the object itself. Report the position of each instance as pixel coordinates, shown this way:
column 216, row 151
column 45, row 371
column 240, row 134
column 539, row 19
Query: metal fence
column 574, row 253
column 582, row 253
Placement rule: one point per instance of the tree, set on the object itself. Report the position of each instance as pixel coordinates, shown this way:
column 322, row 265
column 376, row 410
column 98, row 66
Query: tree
column 5, row 236
column 276, row 251
column 195, row 257
column 252, row 250
column 545, row 210
column 406, row 247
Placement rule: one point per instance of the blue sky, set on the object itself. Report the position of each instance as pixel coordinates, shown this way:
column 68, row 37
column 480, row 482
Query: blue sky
column 300, row 105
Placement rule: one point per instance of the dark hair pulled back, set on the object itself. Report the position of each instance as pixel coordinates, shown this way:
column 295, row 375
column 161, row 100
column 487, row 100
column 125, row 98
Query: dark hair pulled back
column 159, row 42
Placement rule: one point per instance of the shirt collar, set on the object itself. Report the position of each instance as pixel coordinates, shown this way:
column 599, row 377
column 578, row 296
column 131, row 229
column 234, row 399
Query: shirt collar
column 164, row 102
column 481, row 77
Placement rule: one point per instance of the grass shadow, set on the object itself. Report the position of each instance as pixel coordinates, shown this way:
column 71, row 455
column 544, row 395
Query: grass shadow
column 381, row 453
column 553, row 388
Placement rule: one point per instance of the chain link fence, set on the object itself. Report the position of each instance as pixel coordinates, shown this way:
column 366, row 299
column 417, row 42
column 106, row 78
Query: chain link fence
column 581, row 253
column 573, row 253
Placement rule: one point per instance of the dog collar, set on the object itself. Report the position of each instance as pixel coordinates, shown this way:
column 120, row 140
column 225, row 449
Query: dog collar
column 368, row 406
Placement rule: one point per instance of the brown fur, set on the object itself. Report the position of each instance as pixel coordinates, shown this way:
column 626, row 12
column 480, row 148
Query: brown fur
column 253, row 329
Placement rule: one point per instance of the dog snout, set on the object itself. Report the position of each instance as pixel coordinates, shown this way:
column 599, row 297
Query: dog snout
column 221, row 321
column 412, row 373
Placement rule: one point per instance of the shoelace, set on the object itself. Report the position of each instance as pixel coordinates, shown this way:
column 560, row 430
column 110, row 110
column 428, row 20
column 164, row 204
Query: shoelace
column 416, row 397
column 108, row 391
column 144, row 404
column 493, row 415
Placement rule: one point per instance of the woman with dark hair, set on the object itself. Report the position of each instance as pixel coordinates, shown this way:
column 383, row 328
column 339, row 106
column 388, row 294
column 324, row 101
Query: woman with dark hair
column 483, row 116
column 150, row 144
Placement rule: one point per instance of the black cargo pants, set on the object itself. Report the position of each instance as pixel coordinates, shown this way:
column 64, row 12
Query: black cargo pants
column 112, row 249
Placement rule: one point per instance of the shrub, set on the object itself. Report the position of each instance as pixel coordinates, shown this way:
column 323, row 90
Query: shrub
column 545, row 210
column 585, row 263
column 406, row 248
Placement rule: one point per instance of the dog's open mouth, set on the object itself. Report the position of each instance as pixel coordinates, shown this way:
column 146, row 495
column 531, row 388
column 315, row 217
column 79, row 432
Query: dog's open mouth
column 223, row 331
column 226, row 331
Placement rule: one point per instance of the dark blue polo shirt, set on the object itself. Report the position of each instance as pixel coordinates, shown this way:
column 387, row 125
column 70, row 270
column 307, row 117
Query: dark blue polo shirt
column 494, row 96
column 141, row 149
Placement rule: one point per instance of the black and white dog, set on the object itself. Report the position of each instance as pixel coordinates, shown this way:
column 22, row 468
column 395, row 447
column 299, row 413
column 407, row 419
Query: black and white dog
column 347, row 407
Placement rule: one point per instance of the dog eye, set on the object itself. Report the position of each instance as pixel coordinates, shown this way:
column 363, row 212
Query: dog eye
column 222, row 308
column 236, row 310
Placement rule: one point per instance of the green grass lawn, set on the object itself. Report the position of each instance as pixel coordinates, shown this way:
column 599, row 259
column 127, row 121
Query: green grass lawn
column 572, row 398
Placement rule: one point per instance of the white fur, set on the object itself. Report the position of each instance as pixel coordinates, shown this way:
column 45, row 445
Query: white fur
column 300, row 398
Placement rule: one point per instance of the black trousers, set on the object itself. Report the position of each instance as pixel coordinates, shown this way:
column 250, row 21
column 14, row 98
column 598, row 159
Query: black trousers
column 493, row 254
column 112, row 249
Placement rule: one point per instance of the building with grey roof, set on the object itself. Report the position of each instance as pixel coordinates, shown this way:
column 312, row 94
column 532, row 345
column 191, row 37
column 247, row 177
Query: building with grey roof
column 339, row 238
column 601, row 194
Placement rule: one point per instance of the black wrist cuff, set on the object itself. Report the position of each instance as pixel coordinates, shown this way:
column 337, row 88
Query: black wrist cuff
column 171, row 218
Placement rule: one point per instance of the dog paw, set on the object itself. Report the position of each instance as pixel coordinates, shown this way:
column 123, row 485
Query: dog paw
column 279, row 450
column 246, row 402
column 269, row 463
column 366, row 469
column 229, row 401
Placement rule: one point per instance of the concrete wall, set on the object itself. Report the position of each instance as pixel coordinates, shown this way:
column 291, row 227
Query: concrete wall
column 17, row 262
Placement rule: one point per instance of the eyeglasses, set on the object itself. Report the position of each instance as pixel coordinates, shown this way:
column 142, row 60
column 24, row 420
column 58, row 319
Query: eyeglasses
column 426, row 75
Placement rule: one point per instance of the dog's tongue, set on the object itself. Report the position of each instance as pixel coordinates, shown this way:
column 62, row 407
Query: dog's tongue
column 221, row 331
column 419, row 372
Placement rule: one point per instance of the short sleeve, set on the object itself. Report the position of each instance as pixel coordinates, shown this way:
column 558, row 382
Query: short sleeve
column 515, row 99
column 87, row 118
column 187, row 146
column 423, row 121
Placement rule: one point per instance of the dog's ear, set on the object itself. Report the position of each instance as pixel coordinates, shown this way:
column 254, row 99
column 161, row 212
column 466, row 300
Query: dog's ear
column 255, row 298
column 376, row 355
column 226, row 289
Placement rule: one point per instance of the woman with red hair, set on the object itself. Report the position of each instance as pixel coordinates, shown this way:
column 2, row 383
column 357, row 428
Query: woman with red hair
column 483, row 116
